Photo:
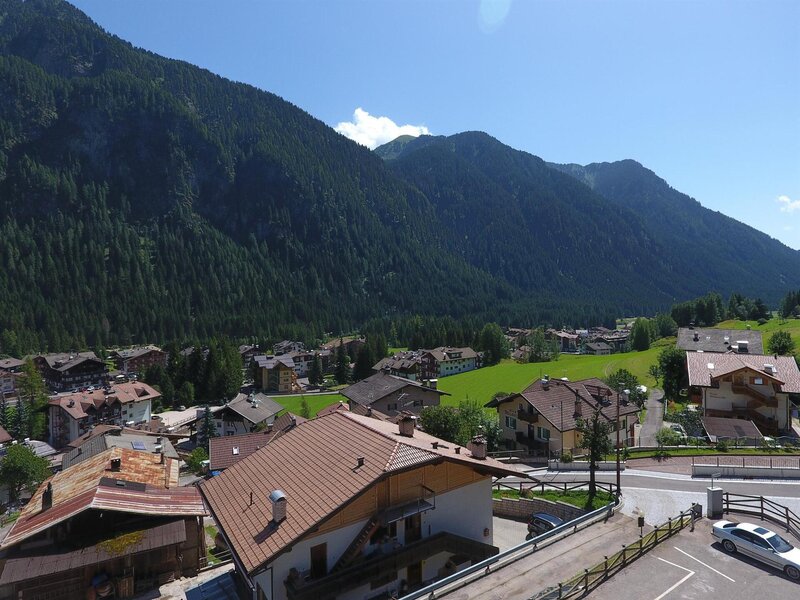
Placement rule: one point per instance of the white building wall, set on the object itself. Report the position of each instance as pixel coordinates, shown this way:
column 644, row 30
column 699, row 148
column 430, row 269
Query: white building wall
column 466, row 511
column 136, row 411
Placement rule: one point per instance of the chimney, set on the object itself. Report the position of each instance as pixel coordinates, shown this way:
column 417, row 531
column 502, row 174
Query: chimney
column 116, row 464
column 696, row 336
column 433, row 384
column 278, row 500
column 47, row 497
column 163, row 458
column 407, row 424
column 293, row 419
column 477, row 446
column 578, row 407
column 546, row 382
column 359, row 462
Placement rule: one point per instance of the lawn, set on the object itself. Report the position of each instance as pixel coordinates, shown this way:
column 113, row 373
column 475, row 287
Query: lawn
column 579, row 498
column 511, row 376
column 316, row 402
column 767, row 329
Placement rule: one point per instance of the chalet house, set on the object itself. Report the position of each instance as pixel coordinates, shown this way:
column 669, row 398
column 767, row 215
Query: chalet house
column 390, row 395
column 113, row 525
column 8, row 382
column 72, row 415
column 755, row 387
column 63, row 372
column 116, row 437
column 287, row 346
column 302, row 362
column 598, row 348
column 275, row 373
column 138, row 360
column 351, row 507
column 567, row 342
column 247, row 352
column 617, row 339
column 516, row 336
column 226, row 451
column 12, row 364
column 542, row 419
column 351, row 347
column 738, row 341
column 245, row 413
column 407, row 364
column 444, row 361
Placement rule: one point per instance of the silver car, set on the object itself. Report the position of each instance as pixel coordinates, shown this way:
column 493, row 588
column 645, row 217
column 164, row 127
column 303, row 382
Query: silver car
column 759, row 543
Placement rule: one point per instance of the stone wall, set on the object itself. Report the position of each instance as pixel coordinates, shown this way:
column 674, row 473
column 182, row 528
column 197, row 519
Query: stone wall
column 521, row 509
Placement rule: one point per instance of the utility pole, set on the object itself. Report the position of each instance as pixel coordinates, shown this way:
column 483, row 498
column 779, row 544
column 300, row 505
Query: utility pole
column 619, row 487
column 561, row 432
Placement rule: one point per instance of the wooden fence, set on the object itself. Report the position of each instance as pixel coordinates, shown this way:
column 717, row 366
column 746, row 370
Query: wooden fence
column 583, row 583
column 560, row 486
column 764, row 508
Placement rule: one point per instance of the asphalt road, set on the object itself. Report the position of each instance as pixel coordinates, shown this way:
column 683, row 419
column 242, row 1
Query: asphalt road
column 654, row 418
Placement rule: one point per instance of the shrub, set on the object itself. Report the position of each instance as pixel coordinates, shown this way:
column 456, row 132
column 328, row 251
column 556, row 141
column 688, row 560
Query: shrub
column 721, row 446
column 566, row 456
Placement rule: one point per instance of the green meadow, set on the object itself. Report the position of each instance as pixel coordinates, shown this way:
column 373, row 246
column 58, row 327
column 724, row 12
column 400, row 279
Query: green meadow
column 511, row 376
column 316, row 402
column 768, row 328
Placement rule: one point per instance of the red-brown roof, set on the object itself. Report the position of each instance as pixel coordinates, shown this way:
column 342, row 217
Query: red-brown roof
column 5, row 436
column 78, row 403
column 705, row 366
column 315, row 465
column 230, row 449
column 149, row 487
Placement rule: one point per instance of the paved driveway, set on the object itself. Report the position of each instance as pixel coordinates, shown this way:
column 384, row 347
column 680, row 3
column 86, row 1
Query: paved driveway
column 654, row 418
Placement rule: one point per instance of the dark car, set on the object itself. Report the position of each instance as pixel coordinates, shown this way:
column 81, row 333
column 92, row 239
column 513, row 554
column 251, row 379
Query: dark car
column 540, row 523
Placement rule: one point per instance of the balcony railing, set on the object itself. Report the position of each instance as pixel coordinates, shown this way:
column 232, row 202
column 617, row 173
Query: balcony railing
column 530, row 417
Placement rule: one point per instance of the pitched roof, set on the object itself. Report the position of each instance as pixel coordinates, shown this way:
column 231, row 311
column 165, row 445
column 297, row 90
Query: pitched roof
column 63, row 361
column 77, row 404
column 11, row 363
column 443, row 353
column 148, row 487
column 703, row 367
column 271, row 362
column 256, row 408
column 719, row 340
column 96, row 431
column 556, row 401
column 720, row 427
column 128, row 353
column 5, row 436
column 598, row 346
column 380, row 385
column 315, row 465
column 402, row 361
column 116, row 438
column 227, row 450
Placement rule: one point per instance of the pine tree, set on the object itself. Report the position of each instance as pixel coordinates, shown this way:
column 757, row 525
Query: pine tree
column 342, row 370
column 315, row 376
column 207, row 428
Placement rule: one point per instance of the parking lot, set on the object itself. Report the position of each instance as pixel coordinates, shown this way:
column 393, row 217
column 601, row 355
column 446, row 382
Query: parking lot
column 692, row 565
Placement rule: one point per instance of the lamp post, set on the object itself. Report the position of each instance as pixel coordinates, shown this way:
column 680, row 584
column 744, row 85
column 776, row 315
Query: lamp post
column 617, row 428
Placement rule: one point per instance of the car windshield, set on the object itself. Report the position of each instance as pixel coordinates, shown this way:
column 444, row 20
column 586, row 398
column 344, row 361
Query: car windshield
column 780, row 544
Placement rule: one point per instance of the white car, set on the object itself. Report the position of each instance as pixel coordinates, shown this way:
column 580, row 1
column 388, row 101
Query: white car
column 759, row 543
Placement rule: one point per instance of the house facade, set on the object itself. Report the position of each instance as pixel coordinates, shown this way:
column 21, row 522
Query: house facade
column 398, row 511
column 542, row 420
column 74, row 414
column 754, row 387
column 407, row 364
column 65, row 371
column 444, row 361
column 138, row 360
column 275, row 373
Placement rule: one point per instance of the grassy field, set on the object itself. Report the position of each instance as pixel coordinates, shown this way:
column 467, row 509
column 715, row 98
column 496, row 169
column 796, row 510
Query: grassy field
column 577, row 498
column 316, row 402
column 510, row 376
column 768, row 328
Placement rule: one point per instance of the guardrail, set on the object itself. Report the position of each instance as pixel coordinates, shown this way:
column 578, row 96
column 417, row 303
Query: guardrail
column 583, row 583
column 507, row 556
column 764, row 508
column 773, row 462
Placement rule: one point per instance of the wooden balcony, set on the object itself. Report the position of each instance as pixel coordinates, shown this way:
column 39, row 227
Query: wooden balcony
column 528, row 416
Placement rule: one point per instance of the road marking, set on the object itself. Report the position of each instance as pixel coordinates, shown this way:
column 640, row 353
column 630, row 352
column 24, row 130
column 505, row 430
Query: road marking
column 677, row 584
column 704, row 564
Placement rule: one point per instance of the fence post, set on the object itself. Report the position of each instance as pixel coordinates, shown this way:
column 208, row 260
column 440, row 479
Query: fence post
column 640, row 544
column 586, row 579
column 788, row 523
column 669, row 525
column 624, row 562
column 560, row 585
column 762, row 507
column 605, row 567
column 770, row 462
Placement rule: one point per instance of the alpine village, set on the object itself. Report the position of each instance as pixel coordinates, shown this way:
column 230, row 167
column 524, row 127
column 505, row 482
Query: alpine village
column 242, row 356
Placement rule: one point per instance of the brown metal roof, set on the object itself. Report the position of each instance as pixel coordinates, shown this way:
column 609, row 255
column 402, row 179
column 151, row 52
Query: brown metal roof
column 76, row 404
column 85, row 486
column 228, row 450
column 29, row 567
column 315, row 465
column 720, row 427
column 705, row 366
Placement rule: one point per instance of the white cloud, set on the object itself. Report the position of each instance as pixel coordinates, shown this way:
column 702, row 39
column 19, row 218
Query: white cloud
column 372, row 131
column 492, row 14
column 788, row 205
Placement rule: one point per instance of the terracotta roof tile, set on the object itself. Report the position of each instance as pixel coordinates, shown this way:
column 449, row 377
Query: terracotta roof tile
column 700, row 373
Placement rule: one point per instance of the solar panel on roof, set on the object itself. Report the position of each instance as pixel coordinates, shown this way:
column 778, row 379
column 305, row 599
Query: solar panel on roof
column 138, row 445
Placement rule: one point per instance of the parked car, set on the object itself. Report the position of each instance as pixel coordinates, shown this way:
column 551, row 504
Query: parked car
column 541, row 522
column 759, row 543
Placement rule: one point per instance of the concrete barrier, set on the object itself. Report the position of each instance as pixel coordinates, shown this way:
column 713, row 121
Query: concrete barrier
column 582, row 465
column 733, row 471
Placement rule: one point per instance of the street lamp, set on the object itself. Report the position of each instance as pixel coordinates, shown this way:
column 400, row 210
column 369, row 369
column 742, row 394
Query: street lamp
column 617, row 428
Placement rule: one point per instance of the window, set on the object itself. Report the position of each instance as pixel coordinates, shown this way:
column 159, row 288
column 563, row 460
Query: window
column 319, row 561
column 511, row 422
column 417, row 402
column 392, row 406
column 758, row 381
column 542, row 433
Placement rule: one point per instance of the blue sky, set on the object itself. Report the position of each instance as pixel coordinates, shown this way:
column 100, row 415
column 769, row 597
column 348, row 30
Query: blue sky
column 705, row 93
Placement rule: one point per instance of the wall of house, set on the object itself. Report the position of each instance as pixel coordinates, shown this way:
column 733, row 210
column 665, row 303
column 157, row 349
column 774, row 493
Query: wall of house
column 136, row 411
column 405, row 399
column 463, row 507
column 456, row 365
column 229, row 427
column 725, row 399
